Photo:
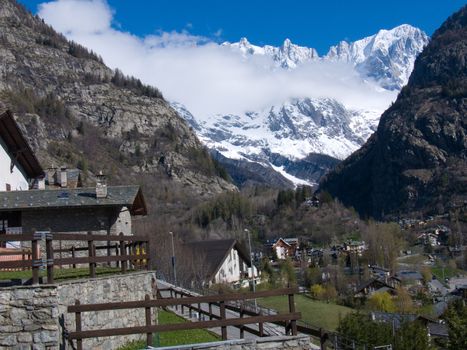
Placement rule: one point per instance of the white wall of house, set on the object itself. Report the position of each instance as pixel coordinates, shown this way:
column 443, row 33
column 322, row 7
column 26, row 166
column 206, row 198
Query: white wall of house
column 233, row 269
column 281, row 251
column 230, row 269
column 14, row 178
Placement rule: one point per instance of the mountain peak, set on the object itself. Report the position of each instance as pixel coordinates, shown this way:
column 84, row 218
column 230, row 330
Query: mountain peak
column 370, row 56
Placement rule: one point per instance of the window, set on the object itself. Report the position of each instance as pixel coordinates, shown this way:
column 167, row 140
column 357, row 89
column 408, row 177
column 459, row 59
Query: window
column 8, row 187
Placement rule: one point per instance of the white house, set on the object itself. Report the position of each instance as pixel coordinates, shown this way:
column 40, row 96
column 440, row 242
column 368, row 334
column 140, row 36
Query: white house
column 19, row 167
column 19, row 171
column 226, row 260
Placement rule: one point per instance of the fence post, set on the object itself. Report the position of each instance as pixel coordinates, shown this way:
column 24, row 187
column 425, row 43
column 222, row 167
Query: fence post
column 210, row 311
column 79, row 342
column 148, row 321
column 322, row 339
column 242, row 327
column 293, row 323
column 73, row 255
column 91, row 253
column 35, row 259
column 222, row 315
column 122, row 252
column 261, row 325
column 50, row 257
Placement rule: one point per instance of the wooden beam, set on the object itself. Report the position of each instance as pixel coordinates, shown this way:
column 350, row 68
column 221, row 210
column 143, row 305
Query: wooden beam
column 188, row 300
column 181, row 326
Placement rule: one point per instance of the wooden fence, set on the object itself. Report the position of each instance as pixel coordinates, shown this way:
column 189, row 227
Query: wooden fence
column 289, row 319
column 133, row 250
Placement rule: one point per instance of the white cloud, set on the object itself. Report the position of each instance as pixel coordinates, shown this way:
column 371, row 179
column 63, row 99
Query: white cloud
column 201, row 74
column 77, row 16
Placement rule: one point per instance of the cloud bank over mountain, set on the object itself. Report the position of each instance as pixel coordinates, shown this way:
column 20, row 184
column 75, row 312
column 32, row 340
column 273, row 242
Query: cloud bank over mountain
column 208, row 78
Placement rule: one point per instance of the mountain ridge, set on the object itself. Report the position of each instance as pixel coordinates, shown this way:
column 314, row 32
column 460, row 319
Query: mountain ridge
column 416, row 161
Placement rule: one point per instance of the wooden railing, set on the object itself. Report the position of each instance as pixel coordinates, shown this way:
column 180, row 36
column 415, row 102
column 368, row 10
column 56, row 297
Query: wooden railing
column 290, row 318
column 133, row 250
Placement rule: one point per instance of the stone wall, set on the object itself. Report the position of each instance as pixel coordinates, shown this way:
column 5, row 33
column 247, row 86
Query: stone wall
column 300, row 342
column 35, row 317
column 128, row 287
column 29, row 318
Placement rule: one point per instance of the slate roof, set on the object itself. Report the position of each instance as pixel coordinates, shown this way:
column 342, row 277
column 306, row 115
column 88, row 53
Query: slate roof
column 17, row 145
column 216, row 251
column 129, row 196
column 409, row 275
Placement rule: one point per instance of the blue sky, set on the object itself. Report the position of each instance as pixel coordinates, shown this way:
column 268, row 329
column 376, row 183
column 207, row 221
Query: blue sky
column 317, row 24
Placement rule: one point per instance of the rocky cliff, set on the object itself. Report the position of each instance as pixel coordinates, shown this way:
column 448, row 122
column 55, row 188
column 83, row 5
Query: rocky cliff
column 78, row 112
column 417, row 158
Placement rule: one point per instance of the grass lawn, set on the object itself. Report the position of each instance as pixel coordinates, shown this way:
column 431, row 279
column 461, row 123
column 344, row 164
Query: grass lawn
column 59, row 274
column 448, row 272
column 316, row 313
column 176, row 337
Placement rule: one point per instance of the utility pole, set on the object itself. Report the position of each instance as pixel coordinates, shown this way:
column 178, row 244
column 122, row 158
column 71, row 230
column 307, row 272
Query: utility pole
column 252, row 266
column 173, row 258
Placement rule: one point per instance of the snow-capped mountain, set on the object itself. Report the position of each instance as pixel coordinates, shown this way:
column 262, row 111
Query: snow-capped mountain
column 301, row 138
column 388, row 56
column 286, row 56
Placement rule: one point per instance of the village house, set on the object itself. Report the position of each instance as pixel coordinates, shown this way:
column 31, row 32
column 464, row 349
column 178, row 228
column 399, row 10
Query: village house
column 284, row 248
column 373, row 285
column 355, row 247
column 410, row 278
column 225, row 261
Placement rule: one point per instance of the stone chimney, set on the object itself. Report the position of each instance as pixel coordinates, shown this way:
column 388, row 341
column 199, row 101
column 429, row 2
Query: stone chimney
column 62, row 176
column 101, row 186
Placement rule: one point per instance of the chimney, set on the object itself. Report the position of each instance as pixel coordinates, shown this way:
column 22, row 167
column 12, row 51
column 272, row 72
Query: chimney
column 63, row 178
column 39, row 183
column 101, row 186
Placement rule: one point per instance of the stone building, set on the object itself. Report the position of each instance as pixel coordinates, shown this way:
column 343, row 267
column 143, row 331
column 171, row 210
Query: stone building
column 78, row 210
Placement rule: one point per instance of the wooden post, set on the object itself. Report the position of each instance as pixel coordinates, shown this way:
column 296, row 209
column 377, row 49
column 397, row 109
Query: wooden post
column 322, row 339
column 35, row 260
column 210, row 311
column 50, row 258
column 293, row 323
column 91, row 253
column 242, row 327
column 222, row 315
column 148, row 321
column 117, row 263
column 261, row 325
column 73, row 255
column 122, row 252
column 199, row 312
column 79, row 342
column 183, row 308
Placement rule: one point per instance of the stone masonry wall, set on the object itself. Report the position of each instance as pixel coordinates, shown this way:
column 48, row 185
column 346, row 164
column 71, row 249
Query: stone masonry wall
column 129, row 287
column 300, row 342
column 35, row 317
column 29, row 318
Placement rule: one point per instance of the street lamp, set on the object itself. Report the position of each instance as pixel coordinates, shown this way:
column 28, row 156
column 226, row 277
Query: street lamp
column 173, row 258
column 251, row 262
